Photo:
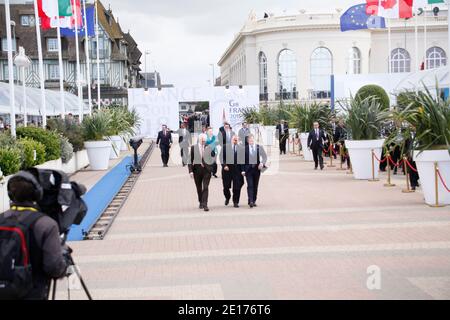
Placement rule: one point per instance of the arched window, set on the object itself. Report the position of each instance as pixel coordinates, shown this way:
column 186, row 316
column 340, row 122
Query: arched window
column 321, row 71
column 400, row 61
column 354, row 61
column 263, row 93
column 436, row 57
column 287, row 75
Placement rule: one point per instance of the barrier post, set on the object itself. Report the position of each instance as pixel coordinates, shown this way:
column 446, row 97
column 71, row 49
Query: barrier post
column 373, row 168
column 331, row 155
column 388, row 183
column 405, row 168
column 341, row 156
column 436, row 186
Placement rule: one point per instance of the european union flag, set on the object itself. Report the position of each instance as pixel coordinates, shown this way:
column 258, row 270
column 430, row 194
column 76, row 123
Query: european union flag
column 356, row 18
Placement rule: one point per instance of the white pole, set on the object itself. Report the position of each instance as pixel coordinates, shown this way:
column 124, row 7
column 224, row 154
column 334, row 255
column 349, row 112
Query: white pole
column 389, row 44
column 25, row 116
column 12, row 99
column 88, row 60
column 97, row 29
column 416, row 41
column 61, row 71
column 77, row 50
column 448, row 30
column 425, row 40
column 41, row 65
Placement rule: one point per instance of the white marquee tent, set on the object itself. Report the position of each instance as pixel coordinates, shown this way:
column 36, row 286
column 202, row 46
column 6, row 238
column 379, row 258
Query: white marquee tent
column 34, row 101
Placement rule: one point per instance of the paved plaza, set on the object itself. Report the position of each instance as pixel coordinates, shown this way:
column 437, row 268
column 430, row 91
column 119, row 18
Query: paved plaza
column 313, row 236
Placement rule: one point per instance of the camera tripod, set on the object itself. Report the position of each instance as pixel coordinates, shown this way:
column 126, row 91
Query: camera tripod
column 71, row 265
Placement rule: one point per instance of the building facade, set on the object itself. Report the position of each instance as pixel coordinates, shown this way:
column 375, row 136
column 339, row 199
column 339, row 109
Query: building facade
column 293, row 57
column 118, row 53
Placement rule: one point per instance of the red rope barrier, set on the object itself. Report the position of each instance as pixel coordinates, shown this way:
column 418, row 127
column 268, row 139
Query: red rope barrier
column 395, row 164
column 442, row 180
column 410, row 166
column 375, row 156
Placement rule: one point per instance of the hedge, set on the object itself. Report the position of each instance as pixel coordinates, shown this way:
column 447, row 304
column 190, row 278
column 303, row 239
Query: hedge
column 10, row 160
column 49, row 139
column 377, row 91
column 29, row 147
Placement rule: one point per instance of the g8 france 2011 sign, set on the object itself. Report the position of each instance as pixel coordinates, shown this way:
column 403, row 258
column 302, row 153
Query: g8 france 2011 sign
column 157, row 107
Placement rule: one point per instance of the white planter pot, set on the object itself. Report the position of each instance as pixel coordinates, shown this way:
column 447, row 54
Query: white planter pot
column 361, row 157
column 4, row 199
column 307, row 154
column 425, row 165
column 124, row 144
column 71, row 166
column 98, row 154
column 267, row 135
column 115, row 147
column 82, row 160
column 51, row 165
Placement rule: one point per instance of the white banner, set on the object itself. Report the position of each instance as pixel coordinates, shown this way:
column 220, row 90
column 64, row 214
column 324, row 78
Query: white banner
column 157, row 107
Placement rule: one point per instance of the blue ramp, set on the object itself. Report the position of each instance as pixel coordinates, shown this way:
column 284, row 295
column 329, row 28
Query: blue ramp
column 100, row 196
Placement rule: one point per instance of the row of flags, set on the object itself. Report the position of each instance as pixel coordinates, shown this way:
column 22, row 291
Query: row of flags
column 372, row 14
column 66, row 12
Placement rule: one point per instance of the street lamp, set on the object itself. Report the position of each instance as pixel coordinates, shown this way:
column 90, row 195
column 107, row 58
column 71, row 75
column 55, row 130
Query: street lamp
column 22, row 61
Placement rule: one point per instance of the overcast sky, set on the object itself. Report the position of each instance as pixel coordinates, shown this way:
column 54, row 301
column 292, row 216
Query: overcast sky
column 184, row 37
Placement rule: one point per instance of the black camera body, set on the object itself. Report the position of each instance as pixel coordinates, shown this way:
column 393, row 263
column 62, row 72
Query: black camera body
column 135, row 143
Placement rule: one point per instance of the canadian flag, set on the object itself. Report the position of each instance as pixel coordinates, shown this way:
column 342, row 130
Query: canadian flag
column 49, row 14
column 394, row 9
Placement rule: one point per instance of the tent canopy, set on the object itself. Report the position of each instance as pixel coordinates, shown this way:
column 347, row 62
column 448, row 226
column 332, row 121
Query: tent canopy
column 34, row 101
column 427, row 78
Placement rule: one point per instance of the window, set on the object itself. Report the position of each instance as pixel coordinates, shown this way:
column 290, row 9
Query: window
column 53, row 71
column 25, row 21
column 52, row 44
column 321, row 71
column 6, row 72
column 400, row 61
column 436, row 57
column 5, row 45
column 263, row 77
column 354, row 61
column 287, row 75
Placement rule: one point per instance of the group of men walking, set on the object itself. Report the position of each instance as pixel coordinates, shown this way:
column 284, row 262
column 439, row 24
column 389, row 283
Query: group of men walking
column 240, row 158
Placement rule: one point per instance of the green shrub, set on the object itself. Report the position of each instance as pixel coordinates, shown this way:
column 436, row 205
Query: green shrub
column 374, row 91
column 6, row 140
column 10, row 160
column 69, row 129
column 29, row 147
column 49, row 139
column 66, row 150
column 302, row 117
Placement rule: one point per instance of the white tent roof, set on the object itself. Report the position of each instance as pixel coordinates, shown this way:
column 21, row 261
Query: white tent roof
column 34, row 101
column 427, row 78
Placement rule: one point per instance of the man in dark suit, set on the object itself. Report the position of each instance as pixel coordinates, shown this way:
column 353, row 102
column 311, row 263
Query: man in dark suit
column 164, row 142
column 200, row 169
column 231, row 156
column 316, row 141
column 184, row 140
column 283, row 135
column 244, row 133
column 255, row 162
column 225, row 135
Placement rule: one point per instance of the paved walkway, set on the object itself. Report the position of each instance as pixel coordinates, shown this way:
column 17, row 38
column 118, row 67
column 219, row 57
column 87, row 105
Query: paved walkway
column 313, row 236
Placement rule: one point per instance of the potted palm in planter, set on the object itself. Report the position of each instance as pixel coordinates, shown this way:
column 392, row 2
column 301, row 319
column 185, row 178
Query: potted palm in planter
column 132, row 121
column 252, row 117
column 365, row 119
column 95, row 128
column 268, row 119
column 429, row 117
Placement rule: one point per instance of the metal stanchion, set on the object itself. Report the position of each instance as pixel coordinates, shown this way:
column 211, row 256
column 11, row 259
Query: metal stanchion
column 405, row 168
column 436, row 186
column 388, row 183
column 341, row 155
column 373, row 168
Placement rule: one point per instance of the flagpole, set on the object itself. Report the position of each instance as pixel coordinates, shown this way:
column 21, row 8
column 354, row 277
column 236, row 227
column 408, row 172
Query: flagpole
column 88, row 60
column 61, row 70
column 425, row 37
column 389, row 44
column 77, row 49
column 416, row 41
column 12, row 98
column 99, row 101
column 41, row 65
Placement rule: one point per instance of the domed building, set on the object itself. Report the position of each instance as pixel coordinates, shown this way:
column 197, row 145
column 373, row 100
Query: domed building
column 293, row 57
